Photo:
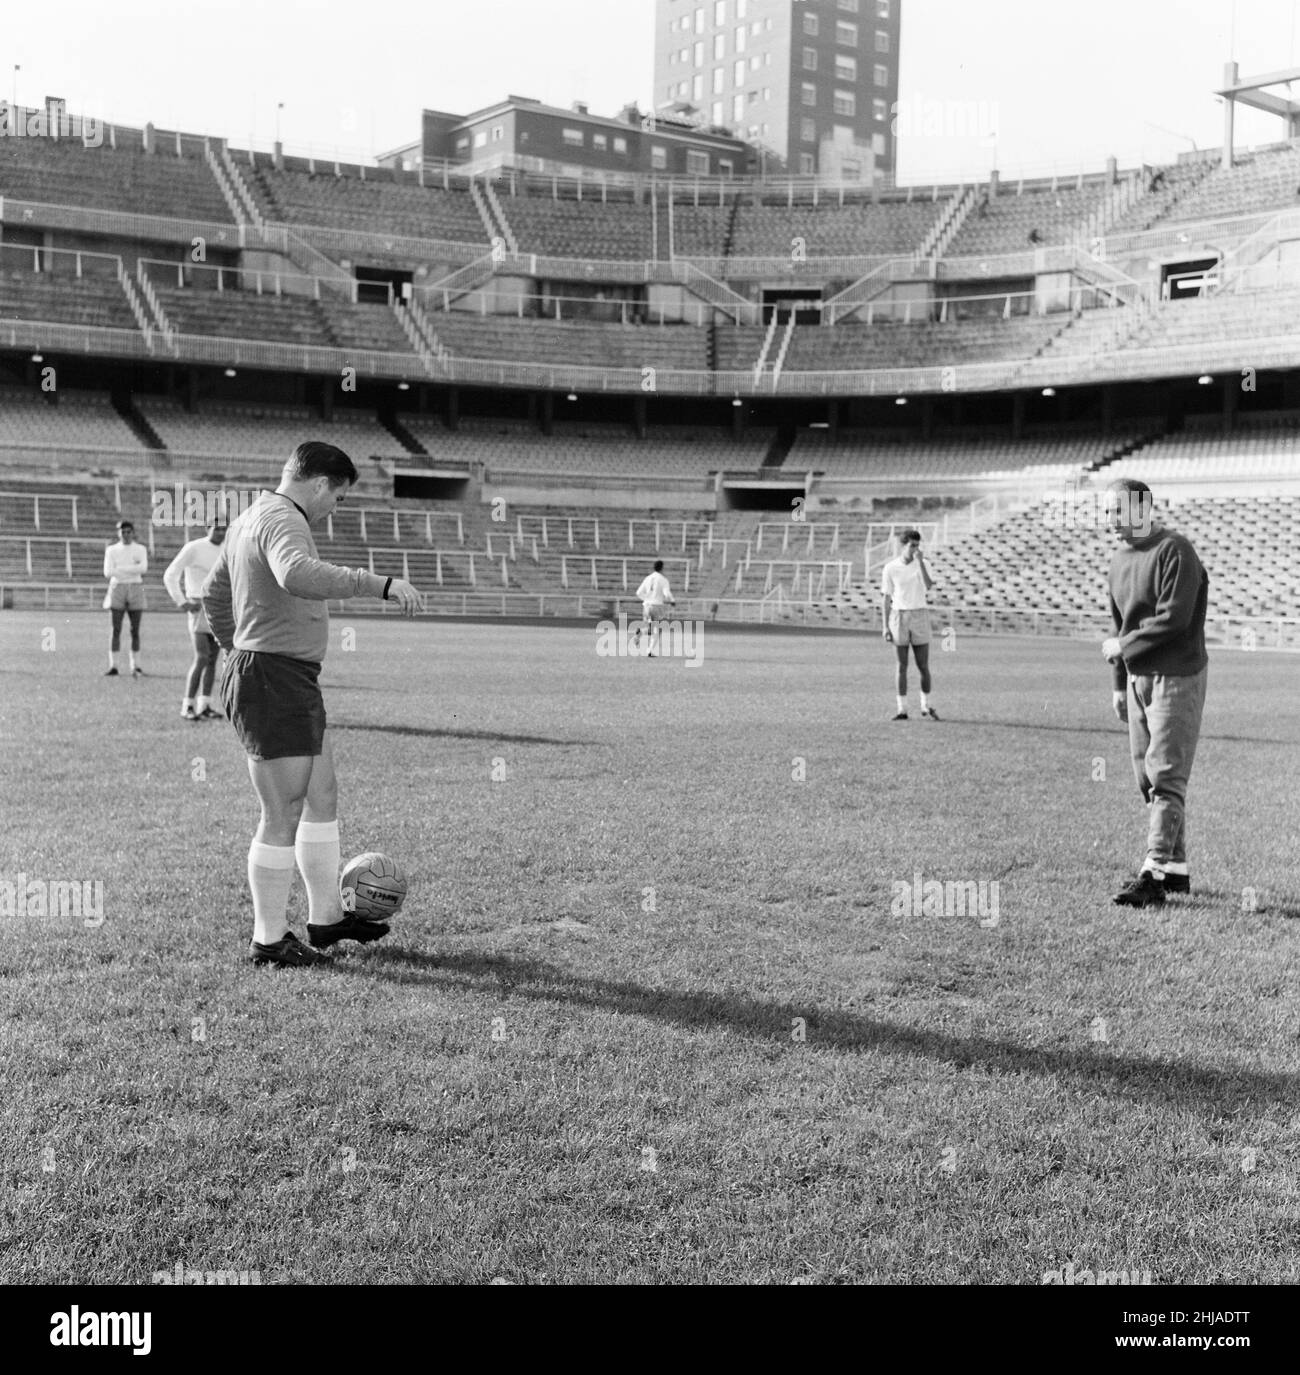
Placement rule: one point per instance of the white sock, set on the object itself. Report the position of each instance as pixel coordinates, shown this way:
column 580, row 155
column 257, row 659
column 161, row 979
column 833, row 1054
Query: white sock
column 1176, row 867
column 203, row 704
column 270, row 877
column 1154, row 868
column 112, row 658
column 316, row 849
column 902, row 704
column 925, row 701
column 187, row 704
column 134, row 665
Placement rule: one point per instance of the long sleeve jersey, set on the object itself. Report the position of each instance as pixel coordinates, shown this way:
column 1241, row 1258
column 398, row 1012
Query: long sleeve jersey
column 268, row 590
column 1158, row 595
column 126, row 563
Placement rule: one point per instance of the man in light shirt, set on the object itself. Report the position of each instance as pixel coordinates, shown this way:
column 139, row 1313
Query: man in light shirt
column 656, row 597
column 904, row 581
column 125, row 564
column 266, row 604
column 184, row 580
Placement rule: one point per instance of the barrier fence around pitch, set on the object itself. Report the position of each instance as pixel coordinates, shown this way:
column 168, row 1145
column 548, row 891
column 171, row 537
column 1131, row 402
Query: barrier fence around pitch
column 1274, row 633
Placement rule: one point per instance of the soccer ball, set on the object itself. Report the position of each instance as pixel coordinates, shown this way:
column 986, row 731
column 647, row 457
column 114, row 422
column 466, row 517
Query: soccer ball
column 372, row 885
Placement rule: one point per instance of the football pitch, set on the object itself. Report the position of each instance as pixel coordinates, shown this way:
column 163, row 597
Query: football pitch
column 674, row 997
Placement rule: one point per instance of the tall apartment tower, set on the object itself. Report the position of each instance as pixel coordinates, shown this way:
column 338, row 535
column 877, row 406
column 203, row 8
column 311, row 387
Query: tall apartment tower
column 812, row 82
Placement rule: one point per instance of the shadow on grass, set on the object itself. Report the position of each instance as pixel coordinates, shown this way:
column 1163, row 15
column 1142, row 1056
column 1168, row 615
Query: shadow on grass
column 1212, row 1087
column 1104, row 728
column 441, row 733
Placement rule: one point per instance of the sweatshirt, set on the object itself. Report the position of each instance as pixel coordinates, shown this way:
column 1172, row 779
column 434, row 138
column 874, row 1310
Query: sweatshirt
column 1158, row 595
column 268, row 590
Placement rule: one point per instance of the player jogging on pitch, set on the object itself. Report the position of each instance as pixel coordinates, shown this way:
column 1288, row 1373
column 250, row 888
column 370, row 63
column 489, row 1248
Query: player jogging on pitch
column 904, row 581
column 656, row 597
column 1158, row 596
column 184, row 580
column 265, row 602
column 125, row 564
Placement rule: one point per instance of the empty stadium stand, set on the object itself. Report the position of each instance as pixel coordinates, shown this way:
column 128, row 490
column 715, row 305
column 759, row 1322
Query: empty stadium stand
column 386, row 202
column 1004, row 223
column 66, row 172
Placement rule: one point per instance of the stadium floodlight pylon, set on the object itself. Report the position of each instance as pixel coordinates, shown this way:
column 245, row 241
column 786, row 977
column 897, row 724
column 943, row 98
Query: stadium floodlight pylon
column 1250, row 91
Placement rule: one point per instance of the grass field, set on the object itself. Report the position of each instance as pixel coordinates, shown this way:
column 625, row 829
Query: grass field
column 652, row 1012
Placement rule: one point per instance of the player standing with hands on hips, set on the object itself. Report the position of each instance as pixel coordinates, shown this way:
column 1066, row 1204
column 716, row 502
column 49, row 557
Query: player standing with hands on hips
column 904, row 581
column 125, row 564
column 1158, row 596
column 266, row 604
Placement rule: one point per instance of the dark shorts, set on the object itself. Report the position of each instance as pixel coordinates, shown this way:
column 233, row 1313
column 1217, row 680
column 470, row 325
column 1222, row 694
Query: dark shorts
column 274, row 704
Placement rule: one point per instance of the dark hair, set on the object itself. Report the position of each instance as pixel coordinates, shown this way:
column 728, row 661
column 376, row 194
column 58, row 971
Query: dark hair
column 659, row 565
column 126, row 525
column 909, row 535
column 315, row 458
column 1145, row 500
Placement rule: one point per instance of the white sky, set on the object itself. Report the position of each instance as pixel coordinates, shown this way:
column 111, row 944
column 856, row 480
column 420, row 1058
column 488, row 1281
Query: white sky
column 1065, row 83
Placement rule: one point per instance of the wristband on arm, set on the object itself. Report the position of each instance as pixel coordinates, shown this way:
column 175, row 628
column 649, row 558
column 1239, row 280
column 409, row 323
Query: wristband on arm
column 387, row 585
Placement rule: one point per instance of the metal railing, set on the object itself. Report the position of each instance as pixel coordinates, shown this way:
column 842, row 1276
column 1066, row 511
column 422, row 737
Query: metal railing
column 1243, row 633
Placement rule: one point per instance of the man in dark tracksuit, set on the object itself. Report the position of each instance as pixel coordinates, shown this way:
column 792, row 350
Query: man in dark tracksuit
column 1158, row 596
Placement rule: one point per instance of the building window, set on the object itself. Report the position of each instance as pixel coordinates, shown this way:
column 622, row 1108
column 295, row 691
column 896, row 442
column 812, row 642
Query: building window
column 879, row 110
column 699, row 21
column 683, row 89
column 808, row 130
column 846, row 103
column 498, row 133
column 462, row 144
column 697, row 87
column 738, row 108
column 716, row 113
column 850, row 170
column 807, row 164
column 878, row 145
column 810, row 59
column 849, row 6
column 756, row 28
column 741, row 35
column 738, row 73
column 620, row 145
column 753, row 97
column 882, row 42
column 742, row 8
column 658, row 153
column 719, row 46
column 720, row 11
column 881, row 75
column 811, row 25
column 808, row 93
column 600, row 142
column 846, row 34
column 882, row 9
column 754, row 63
column 726, row 167
column 697, row 163
column 699, row 54
column 480, row 138
column 685, row 55
column 767, row 93
column 573, row 138
column 846, row 68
